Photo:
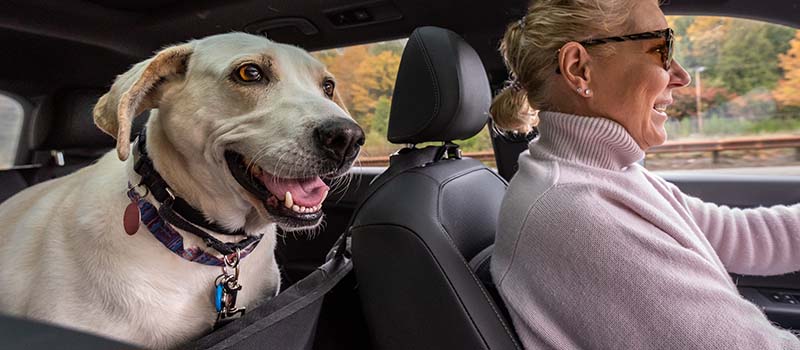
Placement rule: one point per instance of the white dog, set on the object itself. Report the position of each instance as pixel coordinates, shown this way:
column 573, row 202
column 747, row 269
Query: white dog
column 245, row 131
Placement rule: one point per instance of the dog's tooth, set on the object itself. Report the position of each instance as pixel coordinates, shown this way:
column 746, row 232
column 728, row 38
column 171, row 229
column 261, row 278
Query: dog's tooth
column 296, row 208
column 287, row 201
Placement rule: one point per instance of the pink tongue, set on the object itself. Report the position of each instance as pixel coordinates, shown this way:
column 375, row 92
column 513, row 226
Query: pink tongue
column 305, row 192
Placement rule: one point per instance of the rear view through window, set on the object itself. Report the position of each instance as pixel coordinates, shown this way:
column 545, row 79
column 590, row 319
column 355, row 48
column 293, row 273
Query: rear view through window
column 11, row 115
column 741, row 114
column 365, row 77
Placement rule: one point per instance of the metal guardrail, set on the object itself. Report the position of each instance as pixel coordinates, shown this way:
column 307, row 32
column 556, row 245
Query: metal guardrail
column 713, row 146
column 733, row 144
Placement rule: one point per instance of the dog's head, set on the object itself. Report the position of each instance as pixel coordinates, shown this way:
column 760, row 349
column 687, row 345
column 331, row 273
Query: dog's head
column 256, row 124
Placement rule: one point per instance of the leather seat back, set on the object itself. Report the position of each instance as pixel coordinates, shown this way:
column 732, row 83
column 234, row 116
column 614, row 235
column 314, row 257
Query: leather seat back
column 432, row 211
column 64, row 137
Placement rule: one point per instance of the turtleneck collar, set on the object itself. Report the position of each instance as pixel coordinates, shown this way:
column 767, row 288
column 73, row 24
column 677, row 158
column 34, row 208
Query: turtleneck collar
column 596, row 142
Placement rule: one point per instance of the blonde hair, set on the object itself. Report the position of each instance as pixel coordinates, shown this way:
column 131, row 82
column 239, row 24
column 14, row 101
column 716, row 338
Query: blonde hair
column 530, row 45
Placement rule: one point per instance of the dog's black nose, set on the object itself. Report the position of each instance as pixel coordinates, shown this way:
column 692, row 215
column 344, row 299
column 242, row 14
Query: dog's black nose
column 339, row 138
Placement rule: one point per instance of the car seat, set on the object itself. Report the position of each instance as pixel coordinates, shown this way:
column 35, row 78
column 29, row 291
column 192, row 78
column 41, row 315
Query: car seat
column 432, row 210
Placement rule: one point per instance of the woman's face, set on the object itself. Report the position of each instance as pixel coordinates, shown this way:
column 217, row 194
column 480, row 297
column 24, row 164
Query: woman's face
column 631, row 86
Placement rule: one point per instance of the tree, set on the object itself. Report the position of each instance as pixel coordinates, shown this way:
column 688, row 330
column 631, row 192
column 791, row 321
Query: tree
column 685, row 101
column 380, row 122
column 703, row 39
column 787, row 91
column 739, row 55
column 340, row 63
column 395, row 46
column 376, row 76
column 682, row 45
column 365, row 76
column 749, row 57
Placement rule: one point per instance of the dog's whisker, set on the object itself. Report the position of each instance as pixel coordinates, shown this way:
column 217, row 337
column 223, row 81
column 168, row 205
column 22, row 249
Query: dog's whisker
column 350, row 179
column 279, row 166
column 343, row 183
column 348, row 182
column 276, row 167
column 261, row 153
column 258, row 155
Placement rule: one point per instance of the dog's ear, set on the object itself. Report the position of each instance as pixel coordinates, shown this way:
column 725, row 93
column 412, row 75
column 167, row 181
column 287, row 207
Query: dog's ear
column 138, row 90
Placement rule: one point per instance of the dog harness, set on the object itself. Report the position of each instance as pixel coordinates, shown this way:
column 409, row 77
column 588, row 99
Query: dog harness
column 174, row 212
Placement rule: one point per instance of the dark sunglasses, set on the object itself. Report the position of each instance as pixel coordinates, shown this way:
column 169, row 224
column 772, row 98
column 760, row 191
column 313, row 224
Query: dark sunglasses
column 666, row 53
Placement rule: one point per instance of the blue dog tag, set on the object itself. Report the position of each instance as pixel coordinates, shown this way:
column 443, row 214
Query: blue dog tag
column 218, row 298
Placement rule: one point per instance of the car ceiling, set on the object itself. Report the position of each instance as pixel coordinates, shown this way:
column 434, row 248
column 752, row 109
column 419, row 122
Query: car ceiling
column 50, row 45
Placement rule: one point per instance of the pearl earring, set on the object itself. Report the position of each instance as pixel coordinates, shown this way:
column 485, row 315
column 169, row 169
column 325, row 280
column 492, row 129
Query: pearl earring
column 579, row 90
column 587, row 92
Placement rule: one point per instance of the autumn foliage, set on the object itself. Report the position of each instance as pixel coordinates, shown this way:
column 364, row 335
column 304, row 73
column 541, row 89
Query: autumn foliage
column 788, row 90
column 750, row 73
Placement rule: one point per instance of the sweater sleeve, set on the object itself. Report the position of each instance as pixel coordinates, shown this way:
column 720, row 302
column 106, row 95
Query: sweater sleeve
column 587, row 273
column 754, row 241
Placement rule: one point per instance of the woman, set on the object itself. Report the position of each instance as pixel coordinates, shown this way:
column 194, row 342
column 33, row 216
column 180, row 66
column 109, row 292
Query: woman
column 593, row 251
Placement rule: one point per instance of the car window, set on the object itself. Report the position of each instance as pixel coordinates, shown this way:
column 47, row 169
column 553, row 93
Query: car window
column 11, row 114
column 365, row 77
column 741, row 113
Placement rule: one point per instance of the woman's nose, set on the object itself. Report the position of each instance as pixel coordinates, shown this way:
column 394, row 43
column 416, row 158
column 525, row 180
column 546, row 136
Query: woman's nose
column 678, row 77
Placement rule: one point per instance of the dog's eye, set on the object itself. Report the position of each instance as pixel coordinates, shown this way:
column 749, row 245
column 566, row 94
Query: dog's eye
column 248, row 73
column 328, row 86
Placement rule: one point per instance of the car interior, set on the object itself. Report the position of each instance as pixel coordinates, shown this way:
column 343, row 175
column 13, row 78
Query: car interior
column 422, row 228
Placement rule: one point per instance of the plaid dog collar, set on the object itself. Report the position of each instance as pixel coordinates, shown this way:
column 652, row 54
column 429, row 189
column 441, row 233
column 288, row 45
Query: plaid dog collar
column 166, row 234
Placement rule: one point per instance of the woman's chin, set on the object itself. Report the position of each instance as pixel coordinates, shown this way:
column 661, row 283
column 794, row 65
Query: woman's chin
column 657, row 137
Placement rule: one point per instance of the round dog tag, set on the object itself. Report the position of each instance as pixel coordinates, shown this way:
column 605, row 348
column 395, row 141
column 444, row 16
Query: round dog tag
column 131, row 219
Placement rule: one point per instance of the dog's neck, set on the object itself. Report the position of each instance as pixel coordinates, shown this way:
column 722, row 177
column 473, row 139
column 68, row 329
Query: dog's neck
column 198, row 186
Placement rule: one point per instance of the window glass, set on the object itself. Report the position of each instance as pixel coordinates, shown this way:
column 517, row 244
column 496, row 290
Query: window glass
column 741, row 113
column 11, row 114
column 365, row 77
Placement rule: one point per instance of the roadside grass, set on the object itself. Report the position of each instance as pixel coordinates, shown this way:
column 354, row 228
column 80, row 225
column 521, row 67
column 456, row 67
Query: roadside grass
column 725, row 127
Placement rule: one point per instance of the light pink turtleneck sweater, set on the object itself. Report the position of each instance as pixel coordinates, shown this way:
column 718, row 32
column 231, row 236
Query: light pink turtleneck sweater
column 595, row 252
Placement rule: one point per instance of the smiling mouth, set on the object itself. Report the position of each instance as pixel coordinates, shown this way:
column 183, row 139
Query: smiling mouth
column 661, row 108
column 293, row 202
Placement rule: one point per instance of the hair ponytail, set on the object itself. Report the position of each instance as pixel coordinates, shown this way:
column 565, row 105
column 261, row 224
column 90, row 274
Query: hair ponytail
column 511, row 111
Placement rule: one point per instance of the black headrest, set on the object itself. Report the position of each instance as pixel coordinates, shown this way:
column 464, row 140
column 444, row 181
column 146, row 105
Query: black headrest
column 442, row 92
column 65, row 122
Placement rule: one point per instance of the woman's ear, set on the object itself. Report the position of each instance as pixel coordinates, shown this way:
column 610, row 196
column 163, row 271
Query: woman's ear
column 573, row 62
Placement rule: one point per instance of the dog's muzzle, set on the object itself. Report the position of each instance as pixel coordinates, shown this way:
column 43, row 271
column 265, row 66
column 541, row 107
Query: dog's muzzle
column 297, row 202
column 294, row 203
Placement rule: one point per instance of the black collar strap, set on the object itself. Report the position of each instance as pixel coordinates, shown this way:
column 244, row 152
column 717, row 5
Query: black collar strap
column 176, row 211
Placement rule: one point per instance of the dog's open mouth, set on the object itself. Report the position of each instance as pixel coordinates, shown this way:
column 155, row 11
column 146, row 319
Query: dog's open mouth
column 295, row 202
